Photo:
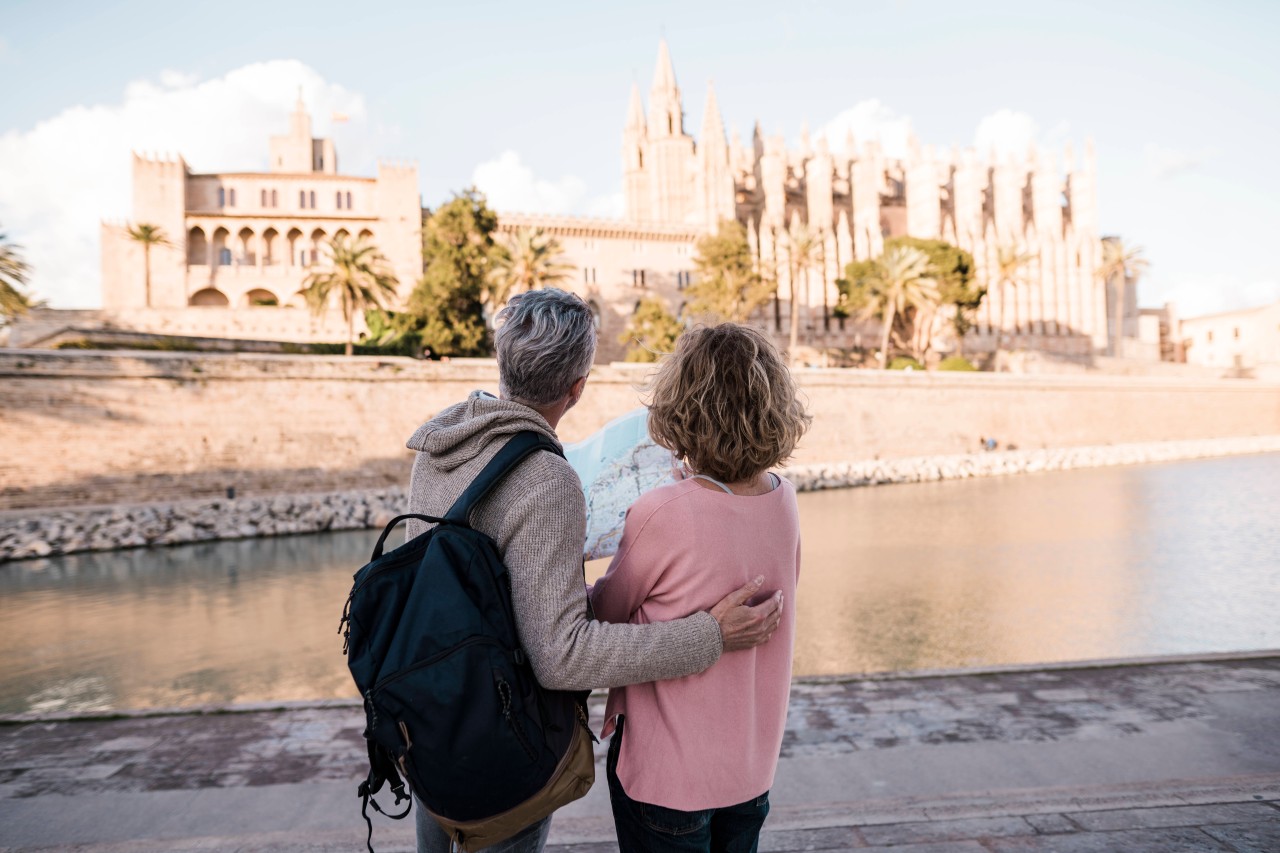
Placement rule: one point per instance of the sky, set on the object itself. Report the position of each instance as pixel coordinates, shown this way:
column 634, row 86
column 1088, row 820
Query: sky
column 527, row 102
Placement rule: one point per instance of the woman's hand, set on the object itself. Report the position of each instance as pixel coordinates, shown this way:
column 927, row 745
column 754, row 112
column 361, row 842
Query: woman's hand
column 743, row 626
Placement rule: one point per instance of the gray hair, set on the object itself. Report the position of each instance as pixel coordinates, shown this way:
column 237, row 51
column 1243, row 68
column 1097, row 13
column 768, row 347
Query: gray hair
column 546, row 341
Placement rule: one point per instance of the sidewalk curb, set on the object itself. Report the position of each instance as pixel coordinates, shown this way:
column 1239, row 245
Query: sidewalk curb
column 599, row 694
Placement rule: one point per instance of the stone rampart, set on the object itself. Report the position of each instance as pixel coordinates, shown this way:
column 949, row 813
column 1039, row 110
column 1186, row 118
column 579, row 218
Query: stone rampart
column 81, row 428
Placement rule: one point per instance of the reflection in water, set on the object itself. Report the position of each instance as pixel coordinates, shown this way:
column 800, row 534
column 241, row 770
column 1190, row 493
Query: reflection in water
column 1124, row 561
column 218, row 622
column 1098, row 563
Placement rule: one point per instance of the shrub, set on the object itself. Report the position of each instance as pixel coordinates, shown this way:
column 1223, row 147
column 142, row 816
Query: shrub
column 902, row 362
column 956, row 362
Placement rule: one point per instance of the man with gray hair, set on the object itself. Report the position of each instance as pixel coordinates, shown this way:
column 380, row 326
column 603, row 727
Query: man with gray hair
column 546, row 343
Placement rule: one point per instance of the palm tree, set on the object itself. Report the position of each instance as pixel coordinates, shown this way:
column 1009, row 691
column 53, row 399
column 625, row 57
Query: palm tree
column 530, row 260
column 901, row 280
column 1121, row 266
column 148, row 236
column 1010, row 263
column 802, row 245
column 13, row 278
column 358, row 276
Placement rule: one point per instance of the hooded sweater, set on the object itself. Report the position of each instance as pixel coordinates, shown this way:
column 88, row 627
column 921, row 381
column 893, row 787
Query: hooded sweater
column 537, row 518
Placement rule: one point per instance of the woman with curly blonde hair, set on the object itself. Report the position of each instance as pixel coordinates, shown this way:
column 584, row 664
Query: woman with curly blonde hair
column 693, row 768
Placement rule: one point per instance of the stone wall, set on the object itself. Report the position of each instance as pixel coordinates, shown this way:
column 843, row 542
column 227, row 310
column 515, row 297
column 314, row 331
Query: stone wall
column 103, row 428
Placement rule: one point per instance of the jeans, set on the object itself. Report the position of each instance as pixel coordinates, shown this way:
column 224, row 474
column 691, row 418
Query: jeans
column 646, row 828
column 432, row 839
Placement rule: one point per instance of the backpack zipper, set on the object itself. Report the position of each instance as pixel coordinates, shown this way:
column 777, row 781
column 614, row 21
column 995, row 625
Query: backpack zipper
column 436, row 658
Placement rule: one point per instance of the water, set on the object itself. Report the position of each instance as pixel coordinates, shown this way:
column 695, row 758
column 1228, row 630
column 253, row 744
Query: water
column 1146, row 560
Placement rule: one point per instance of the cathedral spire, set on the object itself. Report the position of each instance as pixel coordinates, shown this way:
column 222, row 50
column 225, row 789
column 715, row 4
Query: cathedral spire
column 712, row 124
column 666, row 113
column 635, row 111
column 664, row 74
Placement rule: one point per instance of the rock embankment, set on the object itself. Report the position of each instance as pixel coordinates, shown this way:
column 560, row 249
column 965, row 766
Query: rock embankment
column 31, row 533
column 925, row 469
column 36, row 533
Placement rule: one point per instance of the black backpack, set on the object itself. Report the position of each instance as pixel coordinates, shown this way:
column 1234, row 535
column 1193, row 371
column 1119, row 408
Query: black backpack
column 450, row 699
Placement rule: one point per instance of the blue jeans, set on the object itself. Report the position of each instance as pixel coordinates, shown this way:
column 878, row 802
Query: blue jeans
column 646, row 828
column 432, row 839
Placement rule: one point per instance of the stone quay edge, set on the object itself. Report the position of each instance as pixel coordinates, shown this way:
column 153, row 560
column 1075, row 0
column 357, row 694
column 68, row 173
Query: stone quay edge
column 1168, row 755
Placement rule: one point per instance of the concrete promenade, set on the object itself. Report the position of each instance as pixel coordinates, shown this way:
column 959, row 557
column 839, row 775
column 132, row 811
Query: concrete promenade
column 1163, row 755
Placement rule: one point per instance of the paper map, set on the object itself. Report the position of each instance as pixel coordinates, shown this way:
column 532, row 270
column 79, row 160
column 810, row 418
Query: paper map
column 617, row 465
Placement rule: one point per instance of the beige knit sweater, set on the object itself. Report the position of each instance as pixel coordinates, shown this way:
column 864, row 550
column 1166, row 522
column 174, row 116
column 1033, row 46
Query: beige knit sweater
column 537, row 517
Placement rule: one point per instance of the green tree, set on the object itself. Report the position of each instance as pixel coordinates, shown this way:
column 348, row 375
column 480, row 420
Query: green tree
column 529, row 260
column 14, row 272
column 802, row 247
column 895, row 288
column 148, row 235
column 652, row 331
column 953, row 271
column 727, row 287
column 1120, row 266
column 358, row 278
column 1009, row 276
column 447, row 306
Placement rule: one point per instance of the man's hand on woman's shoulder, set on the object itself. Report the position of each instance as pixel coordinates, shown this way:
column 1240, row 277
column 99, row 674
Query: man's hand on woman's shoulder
column 743, row 626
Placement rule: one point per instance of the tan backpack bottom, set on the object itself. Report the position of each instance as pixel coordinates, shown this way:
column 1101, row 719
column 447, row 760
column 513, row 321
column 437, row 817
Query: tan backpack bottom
column 571, row 780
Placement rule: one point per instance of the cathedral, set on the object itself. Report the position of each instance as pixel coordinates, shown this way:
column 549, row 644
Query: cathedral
column 852, row 197
column 242, row 244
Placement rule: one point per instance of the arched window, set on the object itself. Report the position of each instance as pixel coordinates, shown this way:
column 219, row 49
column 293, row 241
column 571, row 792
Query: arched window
column 595, row 315
column 197, row 248
column 222, row 197
column 210, row 297
column 261, row 298
column 348, row 201
column 232, row 202
column 221, row 251
column 264, row 198
column 302, row 199
column 311, row 199
column 317, row 240
column 247, row 251
column 366, row 234
column 339, row 195
column 294, row 237
column 275, row 199
column 269, row 246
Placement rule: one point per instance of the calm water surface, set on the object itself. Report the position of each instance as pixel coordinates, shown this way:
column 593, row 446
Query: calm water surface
column 1146, row 560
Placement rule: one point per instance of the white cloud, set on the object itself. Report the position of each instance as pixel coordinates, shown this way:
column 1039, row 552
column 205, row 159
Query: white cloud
column 1007, row 132
column 869, row 120
column 510, row 186
column 1166, row 162
column 1210, row 295
column 61, row 177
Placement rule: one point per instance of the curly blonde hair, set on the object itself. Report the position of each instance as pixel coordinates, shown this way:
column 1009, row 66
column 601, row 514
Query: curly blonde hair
column 725, row 404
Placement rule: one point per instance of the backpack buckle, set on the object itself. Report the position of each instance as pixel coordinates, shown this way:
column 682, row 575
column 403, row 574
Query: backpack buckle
column 519, row 656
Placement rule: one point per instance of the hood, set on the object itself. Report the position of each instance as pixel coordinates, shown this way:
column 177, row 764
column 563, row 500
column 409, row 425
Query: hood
column 461, row 432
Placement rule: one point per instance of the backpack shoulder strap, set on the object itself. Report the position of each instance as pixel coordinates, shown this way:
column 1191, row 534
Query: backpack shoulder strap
column 520, row 446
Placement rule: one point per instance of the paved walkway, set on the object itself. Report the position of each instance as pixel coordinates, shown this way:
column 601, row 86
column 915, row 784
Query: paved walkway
column 1167, row 756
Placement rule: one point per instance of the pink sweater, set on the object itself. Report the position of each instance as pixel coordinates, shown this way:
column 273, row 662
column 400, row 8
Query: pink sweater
column 708, row 740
